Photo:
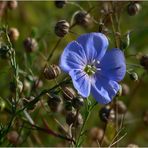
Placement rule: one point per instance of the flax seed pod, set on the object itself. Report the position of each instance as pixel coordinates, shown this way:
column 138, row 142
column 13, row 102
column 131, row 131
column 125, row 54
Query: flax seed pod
column 13, row 34
column 62, row 28
column 52, row 72
column 133, row 8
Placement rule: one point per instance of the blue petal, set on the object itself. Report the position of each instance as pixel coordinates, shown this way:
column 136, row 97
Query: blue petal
column 104, row 90
column 73, row 57
column 113, row 65
column 81, row 82
column 94, row 45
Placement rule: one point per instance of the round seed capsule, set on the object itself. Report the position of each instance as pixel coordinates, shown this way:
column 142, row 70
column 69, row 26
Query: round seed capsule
column 82, row 18
column 78, row 102
column 96, row 133
column 30, row 44
column 52, row 72
column 60, row 3
column 68, row 93
column 133, row 8
column 62, row 28
column 13, row 34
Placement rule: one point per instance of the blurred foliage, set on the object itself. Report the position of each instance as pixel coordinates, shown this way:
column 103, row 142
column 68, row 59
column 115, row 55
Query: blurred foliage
column 37, row 19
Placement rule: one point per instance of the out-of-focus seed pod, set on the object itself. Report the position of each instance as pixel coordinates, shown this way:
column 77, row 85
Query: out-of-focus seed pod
column 71, row 118
column 78, row 102
column 68, row 93
column 12, row 4
column 5, row 52
column 125, row 89
column 55, row 103
column 14, row 138
column 96, row 133
column 27, row 100
column 145, row 118
column 106, row 114
column 120, row 107
column 52, row 72
column 2, row 104
column 134, row 76
column 82, row 18
column 30, row 44
column 60, row 3
column 26, row 85
column 62, row 28
column 132, row 146
column 133, row 8
column 144, row 61
column 13, row 34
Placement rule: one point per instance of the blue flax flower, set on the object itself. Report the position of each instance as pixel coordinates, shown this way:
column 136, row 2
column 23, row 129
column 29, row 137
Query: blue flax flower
column 93, row 68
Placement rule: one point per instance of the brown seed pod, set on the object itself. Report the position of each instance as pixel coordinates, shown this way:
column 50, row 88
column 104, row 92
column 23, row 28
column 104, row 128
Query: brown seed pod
column 133, row 8
column 82, row 18
column 13, row 34
column 12, row 4
column 144, row 61
column 55, row 103
column 52, row 72
column 125, row 89
column 68, row 93
column 60, row 3
column 30, row 44
column 62, row 28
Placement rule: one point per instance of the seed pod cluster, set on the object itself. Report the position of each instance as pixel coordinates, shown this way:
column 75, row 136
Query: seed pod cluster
column 52, row 72
column 82, row 18
column 30, row 44
column 62, row 28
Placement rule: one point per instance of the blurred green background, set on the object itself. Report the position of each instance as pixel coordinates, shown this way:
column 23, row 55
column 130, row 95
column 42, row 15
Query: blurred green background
column 37, row 19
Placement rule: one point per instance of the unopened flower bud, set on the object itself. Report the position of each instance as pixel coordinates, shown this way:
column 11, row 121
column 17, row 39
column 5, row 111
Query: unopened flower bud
column 13, row 34
column 82, row 18
column 30, row 44
column 96, row 133
column 68, row 93
column 55, row 102
column 52, row 72
column 14, row 138
column 125, row 89
column 27, row 100
column 144, row 61
column 78, row 102
column 133, row 8
column 134, row 76
column 60, row 3
column 120, row 107
column 106, row 114
column 62, row 28
column 12, row 4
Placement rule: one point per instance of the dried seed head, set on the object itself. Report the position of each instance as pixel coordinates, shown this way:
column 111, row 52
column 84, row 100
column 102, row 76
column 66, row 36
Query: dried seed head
column 132, row 146
column 14, row 138
column 82, row 18
column 96, row 133
column 144, row 61
column 134, row 76
column 106, row 114
column 62, row 28
column 13, row 34
column 52, row 72
column 68, row 93
column 120, row 107
column 55, row 103
column 60, row 3
column 78, row 102
column 133, row 8
column 12, row 4
column 125, row 89
column 30, row 44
